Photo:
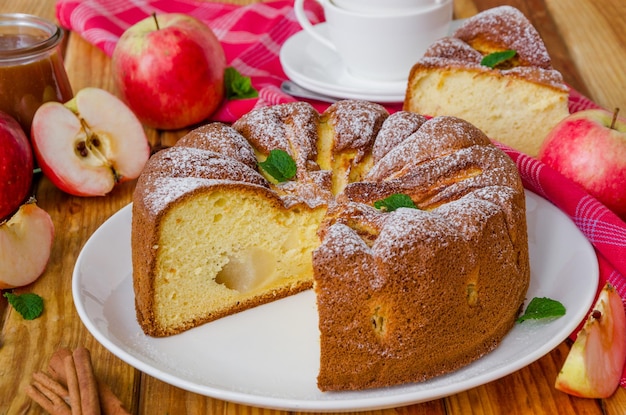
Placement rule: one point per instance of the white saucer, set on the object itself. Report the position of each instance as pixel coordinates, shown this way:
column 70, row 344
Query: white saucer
column 320, row 69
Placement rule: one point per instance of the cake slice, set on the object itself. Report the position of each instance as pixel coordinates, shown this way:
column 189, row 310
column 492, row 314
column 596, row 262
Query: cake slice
column 210, row 238
column 516, row 102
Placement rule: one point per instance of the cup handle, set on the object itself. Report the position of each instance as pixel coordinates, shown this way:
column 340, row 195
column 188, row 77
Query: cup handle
column 298, row 8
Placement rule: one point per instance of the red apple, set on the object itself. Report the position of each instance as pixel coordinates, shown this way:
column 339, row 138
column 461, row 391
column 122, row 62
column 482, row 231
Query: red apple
column 90, row 144
column 169, row 69
column 589, row 147
column 594, row 365
column 25, row 245
column 16, row 165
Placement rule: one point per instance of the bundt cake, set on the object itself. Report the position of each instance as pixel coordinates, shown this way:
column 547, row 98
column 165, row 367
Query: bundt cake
column 412, row 233
column 515, row 100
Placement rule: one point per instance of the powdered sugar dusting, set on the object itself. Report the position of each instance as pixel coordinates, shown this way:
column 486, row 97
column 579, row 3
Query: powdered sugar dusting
column 448, row 166
column 396, row 128
column 444, row 162
column 436, row 137
column 499, row 28
column 355, row 123
column 454, row 49
column 193, row 164
column 345, row 242
column 222, row 139
column 508, row 27
column 168, row 189
column 289, row 127
column 550, row 77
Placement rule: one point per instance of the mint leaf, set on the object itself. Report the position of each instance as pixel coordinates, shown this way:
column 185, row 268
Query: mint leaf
column 279, row 165
column 29, row 305
column 238, row 86
column 496, row 58
column 395, row 201
column 543, row 307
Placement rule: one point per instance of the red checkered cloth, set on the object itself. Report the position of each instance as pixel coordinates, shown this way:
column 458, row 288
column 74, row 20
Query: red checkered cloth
column 252, row 36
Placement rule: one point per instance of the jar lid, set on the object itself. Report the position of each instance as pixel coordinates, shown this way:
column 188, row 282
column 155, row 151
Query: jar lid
column 24, row 35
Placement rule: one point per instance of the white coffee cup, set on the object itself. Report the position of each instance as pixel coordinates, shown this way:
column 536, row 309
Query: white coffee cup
column 381, row 46
column 376, row 6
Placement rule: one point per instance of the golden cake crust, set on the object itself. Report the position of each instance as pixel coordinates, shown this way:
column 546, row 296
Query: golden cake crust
column 455, row 53
column 173, row 176
column 502, row 28
column 434, row 299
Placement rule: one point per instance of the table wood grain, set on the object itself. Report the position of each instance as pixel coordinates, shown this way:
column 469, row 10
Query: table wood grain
column 587, row 42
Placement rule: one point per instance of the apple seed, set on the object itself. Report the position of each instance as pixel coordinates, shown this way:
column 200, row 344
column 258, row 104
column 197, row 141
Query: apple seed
column 81, row 148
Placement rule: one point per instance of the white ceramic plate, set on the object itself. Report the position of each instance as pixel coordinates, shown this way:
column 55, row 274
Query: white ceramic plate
column 269, row 356
column 314, row 66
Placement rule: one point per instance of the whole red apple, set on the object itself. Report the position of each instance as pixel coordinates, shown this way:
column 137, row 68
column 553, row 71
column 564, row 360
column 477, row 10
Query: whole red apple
column 16, row 165
column 169, row 69
column 589, row 147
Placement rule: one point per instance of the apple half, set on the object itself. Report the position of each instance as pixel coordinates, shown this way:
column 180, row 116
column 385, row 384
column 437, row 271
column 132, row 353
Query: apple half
column 91, row 143
column 595, row 363
column 25, row 245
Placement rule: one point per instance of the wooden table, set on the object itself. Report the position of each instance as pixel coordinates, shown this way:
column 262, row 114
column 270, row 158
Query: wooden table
column 586, row 40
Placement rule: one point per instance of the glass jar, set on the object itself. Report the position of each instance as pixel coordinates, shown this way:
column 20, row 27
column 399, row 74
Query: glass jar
column 31, row 66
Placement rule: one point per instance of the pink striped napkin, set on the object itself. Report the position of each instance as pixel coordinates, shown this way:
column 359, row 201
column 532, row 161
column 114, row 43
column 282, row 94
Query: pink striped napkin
column 252, row 37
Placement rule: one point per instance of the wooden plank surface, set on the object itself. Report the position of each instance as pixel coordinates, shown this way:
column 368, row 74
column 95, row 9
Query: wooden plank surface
column 586, row 40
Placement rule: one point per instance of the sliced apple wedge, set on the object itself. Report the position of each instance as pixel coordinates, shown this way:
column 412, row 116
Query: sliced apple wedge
column 25, row 245
column 594, row 365
column 91, row 143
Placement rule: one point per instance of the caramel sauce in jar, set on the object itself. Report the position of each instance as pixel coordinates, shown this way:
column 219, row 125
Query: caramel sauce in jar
column 31, row 66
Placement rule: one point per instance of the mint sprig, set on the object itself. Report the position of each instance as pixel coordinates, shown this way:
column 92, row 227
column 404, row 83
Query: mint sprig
column 394, row 202
column 29, row 305
column 496, row 58
column 280, row 165
column 542, row 307
column 238, row 86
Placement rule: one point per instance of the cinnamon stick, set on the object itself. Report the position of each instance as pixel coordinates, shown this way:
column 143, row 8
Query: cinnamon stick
column 47, row 399
column 56, row 367
column 109, row 403
column 51, row 385
column 72, row 385
column 87, row 384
